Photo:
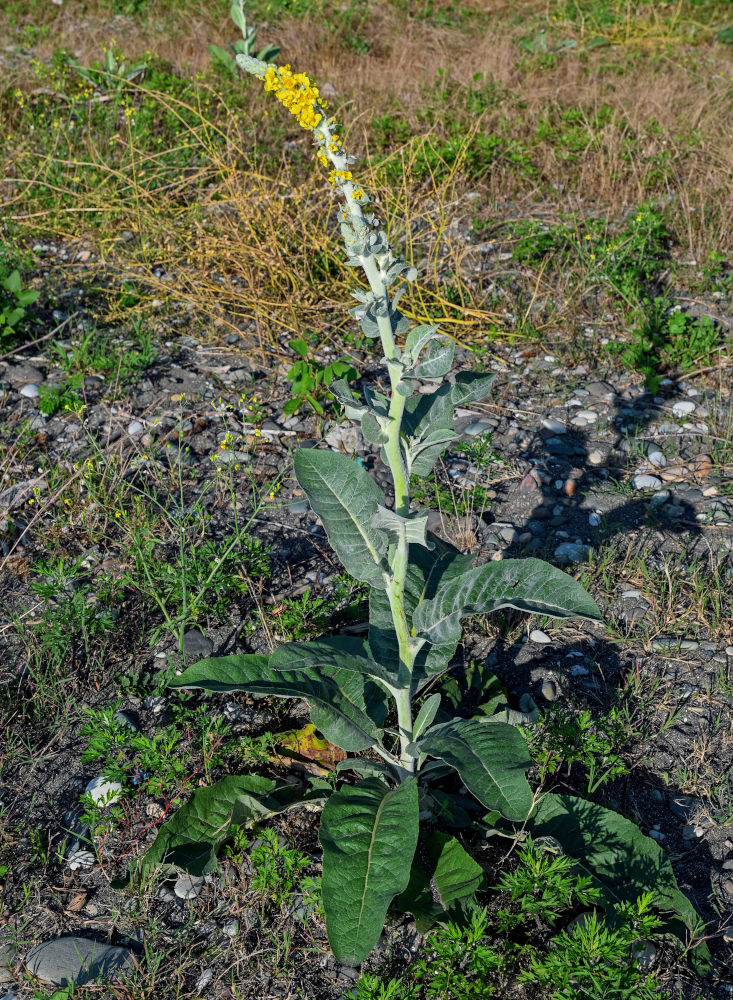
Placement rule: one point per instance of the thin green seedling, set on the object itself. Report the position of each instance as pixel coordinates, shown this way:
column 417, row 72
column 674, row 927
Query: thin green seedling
column 364, row 695
column 227, row 58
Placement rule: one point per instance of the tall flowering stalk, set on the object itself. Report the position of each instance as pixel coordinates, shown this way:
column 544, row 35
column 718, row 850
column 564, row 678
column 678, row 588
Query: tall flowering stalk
column 420, row 589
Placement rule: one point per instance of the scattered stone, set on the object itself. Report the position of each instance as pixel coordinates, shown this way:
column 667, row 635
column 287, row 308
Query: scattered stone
column 7, row 956
column 684, row 806
column 195, row 643
column 188, row 886
column 657, row 458
column 645, row 482
column 569, row 552
column 103, row 791
column 346, row 438
column 66, row 960
column 656, row 835
column 594, row 518
column 693, row 832
column 578, row 670
column 135, row 428
column 683, row 407
column 80, row 860
column 554, row 425
column 299, row 507
column 602, row 391
column 478, row 427
column 229, row 456
column 550, row 691
column 569, row 487
column 645, row 954
column 203, row 981
column 230, row 928
column 30, row 391
column 596, row 457
column 155, row 703
column 538, row 636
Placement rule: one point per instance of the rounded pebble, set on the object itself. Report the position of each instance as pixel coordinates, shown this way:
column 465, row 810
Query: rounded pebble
column 188, row 886
column 596, row 457
column 594, row 518
column 645, row 482
column 568, row 552
column 30, row 391
column 683, row 407
column 80, row 859
column 103, row 791
column 299, row 507
column 479, row 427
column 554, row 425
column 65, row 960
column 538, row 636
column 135, row 428
column 657, row 459
column 550, row 691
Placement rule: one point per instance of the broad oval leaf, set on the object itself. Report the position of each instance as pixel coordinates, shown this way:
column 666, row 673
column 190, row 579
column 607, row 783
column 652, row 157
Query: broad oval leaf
column 490, row 757
column 338, row 652
column 337, row 709
column 443, row 874
column 193, row 835
column 530, row 585
column 437, row 360
column 345, row 497
column 369, row 835
column 621, row 860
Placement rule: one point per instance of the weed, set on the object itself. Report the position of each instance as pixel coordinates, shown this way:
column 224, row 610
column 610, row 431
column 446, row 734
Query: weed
column 458, row 962
column 13, row 302
column 227, row 58
column 594, row 961
column 277, row 869
column 542, row 886
column 308, row 378
column 97, row 353
column 569, row 736
column 57, row 397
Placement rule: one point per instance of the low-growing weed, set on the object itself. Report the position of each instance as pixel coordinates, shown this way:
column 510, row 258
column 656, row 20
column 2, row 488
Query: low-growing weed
column 459, row 962
column 13, row 302
column 56, row 397
column 542, row 886
column 277, row 869
column 309, row 379
column 99, row 353
column 594, row 961
column 566, row 736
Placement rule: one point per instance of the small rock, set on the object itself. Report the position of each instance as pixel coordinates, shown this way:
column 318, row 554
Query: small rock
column 596, row 457
column 645, row 482
column 203, row 981
column 656, row 835
column 645, row 954
column 135, row 428
column 594, row 518
column 230, row 928
column 683, row 407
column 602, row 391
column 692, row 832
column 229, row 456
column 195, row 643
column 103, row 791
column 7, row 956
column 728, row 887
column 346, row 438
column 188, row 886
column 728, row 935
column 154, row 809
column 538, row 636
column 67, row 960
column 578, row 670
column 657, row 458
column 155, row 703
column 550, row 691
column 299, row 507
column 554, row 425
column 478, row 427
column 30, row 391
column 569, row 552
column 80, row 859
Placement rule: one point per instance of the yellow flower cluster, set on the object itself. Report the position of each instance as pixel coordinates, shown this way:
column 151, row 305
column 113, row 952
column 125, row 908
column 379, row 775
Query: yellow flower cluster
column 344, row 175
column 297, row 92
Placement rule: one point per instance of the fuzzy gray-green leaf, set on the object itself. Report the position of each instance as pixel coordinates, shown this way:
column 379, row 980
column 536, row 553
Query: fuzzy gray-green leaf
column 529, row 585
column 490, row 757
column 340, row 712
column 369, row 835
column 345, row 497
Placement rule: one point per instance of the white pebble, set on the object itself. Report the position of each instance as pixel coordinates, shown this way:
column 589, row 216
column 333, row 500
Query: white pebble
column 556, row 426
column 596, row 458
column 683, row 407
column 135, row 428
column 80, row 859
column 538, row 636
column 657, row 459
column 188, row 886
column 103, row 791
column 30, row 391
column 645, row 482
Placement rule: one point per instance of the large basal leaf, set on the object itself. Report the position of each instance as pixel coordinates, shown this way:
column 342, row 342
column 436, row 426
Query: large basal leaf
column 369, row 835
column 338, row 710
column 442, row 874
column 339, row 652
column 620, row 859
column 193, row 835
column 526, row 584
column 491, row 759
column 425, row 570
column 345, row 497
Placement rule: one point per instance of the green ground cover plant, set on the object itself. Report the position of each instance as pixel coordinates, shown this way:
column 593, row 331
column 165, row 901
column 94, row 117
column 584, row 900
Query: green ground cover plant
column 370, row 697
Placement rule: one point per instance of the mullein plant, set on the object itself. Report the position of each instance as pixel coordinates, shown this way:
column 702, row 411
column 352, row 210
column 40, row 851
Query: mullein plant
column 369, row 696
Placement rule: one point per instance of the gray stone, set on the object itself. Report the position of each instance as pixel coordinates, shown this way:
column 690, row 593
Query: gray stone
column 346, row 438
column 7, row 956
column 683, row 407
column 135, row 428
column 67, row 960
column 596, row 457
column 299, row 507
column 550, row 691
column 657, row 458
column 538, row 636
column 594, row 518
column 554, row 425
column 195, row 643
column 126, row 720
column 645, row 954
column 30, row 391
column 569, row 552
column 80, row 859
column 229, row 456
column 692, row 832
column 601, row 390
column 645, row 482
column 478, row 427
column 188, row 886
column 103, row 791
column 230, row 928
